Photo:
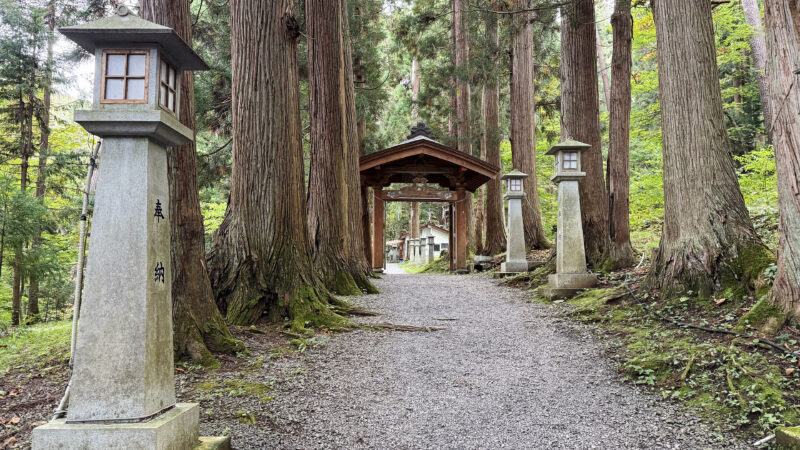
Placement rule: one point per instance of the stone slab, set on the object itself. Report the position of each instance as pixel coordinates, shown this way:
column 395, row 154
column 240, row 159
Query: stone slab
column 213, row 443
column 483, row 259
column 174, row 430
column 556, row 293
column 514, row 267
column 788, row 437
column 571, row 280
column 378, row 270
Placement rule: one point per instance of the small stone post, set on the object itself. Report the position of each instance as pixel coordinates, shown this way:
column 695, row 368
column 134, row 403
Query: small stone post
column 431, row 255
column 516, row 261
column 571, row 274
column 122, row 391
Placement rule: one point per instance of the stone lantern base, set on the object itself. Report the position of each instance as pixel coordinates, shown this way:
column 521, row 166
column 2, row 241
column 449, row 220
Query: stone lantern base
column 175, row 429
column 566, row 285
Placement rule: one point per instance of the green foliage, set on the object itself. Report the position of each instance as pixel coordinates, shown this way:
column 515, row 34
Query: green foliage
column 35, row 346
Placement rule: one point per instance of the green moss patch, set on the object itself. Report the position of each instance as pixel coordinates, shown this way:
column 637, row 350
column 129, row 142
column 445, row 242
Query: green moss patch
column 763, row 317
column 737, row 386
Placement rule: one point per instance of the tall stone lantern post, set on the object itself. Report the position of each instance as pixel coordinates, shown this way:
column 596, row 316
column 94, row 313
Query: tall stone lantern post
column 515, row 241
column 122, row 391
column 571, row 274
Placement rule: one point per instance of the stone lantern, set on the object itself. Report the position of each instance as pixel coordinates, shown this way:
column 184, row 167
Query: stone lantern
column 571, row 273
column 515, row 240
column 122, row 390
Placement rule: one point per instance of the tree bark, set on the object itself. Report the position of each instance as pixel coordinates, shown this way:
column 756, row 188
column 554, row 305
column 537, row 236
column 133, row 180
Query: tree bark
column 360, row 267
column 44, row 147
column 328, row 199
column 620, row 251
column 580, row 120
column 601, row 60
column 463, row 134
column 413, row 210
column 198, row 326
column 752, row 15
column 708, row 242
column 523, row 123
column 784, row 59
column 490, row 143
column 261, row 260
column 26, row 134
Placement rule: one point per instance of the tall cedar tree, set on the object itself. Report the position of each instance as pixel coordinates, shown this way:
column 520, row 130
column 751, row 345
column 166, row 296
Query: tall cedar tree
column 752, row 15
column 44, row 147
column 620, row 251
column 197, row 323
column 413, row 210
column 462, row 98
column 708, row 242
column 261, row 261
column 360, row 267
column 490, row 143
column 784, row 59
column 580, row 120
column 523, row 122
column 328, row 193
column 26, row 116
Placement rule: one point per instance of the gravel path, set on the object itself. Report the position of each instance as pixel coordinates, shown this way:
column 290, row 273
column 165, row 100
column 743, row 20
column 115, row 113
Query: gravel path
column 503, row 373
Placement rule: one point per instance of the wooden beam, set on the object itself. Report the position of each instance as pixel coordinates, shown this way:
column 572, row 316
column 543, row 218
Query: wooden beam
column 377, row 229
column 461, row 232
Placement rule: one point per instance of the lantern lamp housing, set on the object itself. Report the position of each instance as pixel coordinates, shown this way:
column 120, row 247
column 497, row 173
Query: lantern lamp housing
column 138, row 68
column 515, row 187
column 568, row 160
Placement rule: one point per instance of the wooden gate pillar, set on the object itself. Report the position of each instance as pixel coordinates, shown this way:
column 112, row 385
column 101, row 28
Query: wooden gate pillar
column 377, row 230
column 461, row 231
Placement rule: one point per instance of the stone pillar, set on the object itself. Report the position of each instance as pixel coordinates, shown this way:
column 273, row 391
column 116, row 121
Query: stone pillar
column 516, row 261
column 571, row 274
column 377, row 230
column 461, row 231
column 431, row 254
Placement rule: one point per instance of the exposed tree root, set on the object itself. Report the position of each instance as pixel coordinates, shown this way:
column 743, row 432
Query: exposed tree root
column 385, row 326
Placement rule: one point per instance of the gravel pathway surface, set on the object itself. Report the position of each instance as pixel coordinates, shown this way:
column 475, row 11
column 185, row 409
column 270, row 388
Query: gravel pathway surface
column 503, row 373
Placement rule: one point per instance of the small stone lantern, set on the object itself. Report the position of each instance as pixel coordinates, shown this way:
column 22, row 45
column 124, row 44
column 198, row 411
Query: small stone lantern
column 122, row 390
column 571, row 273
column 515, row 239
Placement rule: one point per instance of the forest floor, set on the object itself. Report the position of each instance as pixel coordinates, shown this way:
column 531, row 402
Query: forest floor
column 484, row 367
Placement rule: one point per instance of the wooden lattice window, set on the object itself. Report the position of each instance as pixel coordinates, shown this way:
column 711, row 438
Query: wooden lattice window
column 515, row 185
column 167, row 87
column 124, row 76
column 570, row 161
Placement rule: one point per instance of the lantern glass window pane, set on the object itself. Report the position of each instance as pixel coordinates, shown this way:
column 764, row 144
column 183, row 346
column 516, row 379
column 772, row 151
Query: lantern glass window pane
column 172, row 77
column 115, row 65
column 136, row 65
column 135, row 89
column 171, row 101
column 162, row 95
column 164, row 70
column 115, row 88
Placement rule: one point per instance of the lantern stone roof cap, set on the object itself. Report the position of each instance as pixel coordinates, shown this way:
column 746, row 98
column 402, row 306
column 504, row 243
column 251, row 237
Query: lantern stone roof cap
column 125, row 27
column 569, row 144
column 514, row 174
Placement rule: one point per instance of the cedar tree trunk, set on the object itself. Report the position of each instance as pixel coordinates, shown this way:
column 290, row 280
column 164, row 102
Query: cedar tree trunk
column 198, row 325
column 620, row 251
column 463, row 134
column 490, row 106
column 261, row 260
column 752, row 15
column 44, row 147
column 580, row 120
column 523, row 124
column 784, row 59
column 413, row 210
column 708, row 243
column 360, row 267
